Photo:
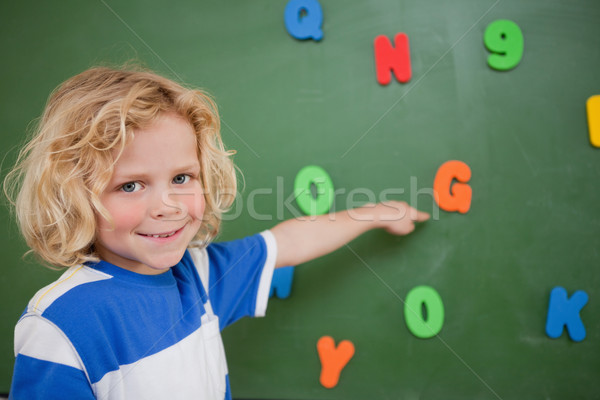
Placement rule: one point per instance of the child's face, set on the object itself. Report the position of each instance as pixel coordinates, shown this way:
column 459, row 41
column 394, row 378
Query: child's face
column 154, row 197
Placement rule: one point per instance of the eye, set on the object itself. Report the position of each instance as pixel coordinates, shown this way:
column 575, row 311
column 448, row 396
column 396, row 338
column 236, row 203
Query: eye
column 181, row 179
column 130, row 187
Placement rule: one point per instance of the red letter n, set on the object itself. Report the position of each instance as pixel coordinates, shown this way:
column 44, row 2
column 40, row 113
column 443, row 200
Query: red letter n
column 389, row 58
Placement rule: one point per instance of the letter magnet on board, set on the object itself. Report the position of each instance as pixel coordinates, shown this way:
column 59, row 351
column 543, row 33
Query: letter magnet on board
column 563, row 311
column 321, row 202
column 593, row 115
column 504, row 39
column 281, row 284
column 419, row 325
column 457, row 196
column 303, row 19
column 389, row 58
column 333, row 359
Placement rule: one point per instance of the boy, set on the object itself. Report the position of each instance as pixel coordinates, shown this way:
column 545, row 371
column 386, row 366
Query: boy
column 124, row 183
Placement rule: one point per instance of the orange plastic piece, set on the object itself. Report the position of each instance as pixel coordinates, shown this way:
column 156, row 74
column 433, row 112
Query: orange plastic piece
column 455, row 197
column 333, row 360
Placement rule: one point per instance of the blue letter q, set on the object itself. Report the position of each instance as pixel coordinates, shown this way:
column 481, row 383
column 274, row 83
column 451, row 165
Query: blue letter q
column 303, row 19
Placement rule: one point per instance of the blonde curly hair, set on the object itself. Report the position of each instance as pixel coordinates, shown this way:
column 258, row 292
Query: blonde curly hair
column 59, row 175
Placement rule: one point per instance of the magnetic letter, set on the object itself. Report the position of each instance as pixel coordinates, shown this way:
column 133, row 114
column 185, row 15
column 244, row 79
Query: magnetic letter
column 455, row 197
column 333, row 359
column 504, row 39
column 325, row 193
column 389, row 58
column 281, row 284
column 593, row 114
column 564, row 311
column 417, row 324
column 303, row 19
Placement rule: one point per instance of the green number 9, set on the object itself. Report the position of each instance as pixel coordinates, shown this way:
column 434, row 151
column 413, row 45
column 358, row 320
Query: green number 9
column 505, row 40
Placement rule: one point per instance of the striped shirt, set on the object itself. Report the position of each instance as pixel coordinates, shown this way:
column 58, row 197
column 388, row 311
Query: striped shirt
column 103, row 332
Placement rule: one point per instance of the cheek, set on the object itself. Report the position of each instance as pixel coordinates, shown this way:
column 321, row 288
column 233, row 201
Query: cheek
column 191, row 203
column 196, row 206
column 124, row 216
column 127, row 221
column 196, row 203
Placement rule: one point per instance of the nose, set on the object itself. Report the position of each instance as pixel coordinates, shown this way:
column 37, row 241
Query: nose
column 164, row 206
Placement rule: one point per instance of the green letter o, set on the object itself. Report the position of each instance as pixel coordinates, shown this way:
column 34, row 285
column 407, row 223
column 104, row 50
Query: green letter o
column 306, row 177
column 416, row 298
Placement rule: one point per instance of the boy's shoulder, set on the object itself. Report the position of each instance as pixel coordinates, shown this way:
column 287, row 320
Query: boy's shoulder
column 256, row 243
column 70, row 279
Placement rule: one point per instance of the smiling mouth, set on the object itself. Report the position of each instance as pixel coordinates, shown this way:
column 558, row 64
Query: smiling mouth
column 160, row 235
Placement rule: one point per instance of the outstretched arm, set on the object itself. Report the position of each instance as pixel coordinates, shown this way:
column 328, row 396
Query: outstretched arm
column 304, row 239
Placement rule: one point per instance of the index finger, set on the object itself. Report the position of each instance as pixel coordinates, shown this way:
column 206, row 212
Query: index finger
column 419, row 216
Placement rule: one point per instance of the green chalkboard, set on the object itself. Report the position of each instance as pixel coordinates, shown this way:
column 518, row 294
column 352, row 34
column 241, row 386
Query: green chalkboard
column 534, row 220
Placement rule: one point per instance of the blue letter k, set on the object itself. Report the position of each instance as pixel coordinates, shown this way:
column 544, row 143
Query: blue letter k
column 564, row 311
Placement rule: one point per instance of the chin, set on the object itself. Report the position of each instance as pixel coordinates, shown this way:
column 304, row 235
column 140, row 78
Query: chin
column 161, row 267
column 165, row 263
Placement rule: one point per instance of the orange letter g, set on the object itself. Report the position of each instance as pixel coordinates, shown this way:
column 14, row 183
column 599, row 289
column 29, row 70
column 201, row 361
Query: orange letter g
column 455, row 197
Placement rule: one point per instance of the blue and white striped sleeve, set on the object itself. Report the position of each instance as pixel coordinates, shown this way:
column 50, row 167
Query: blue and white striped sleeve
column 239, row 276
column 46, row 366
